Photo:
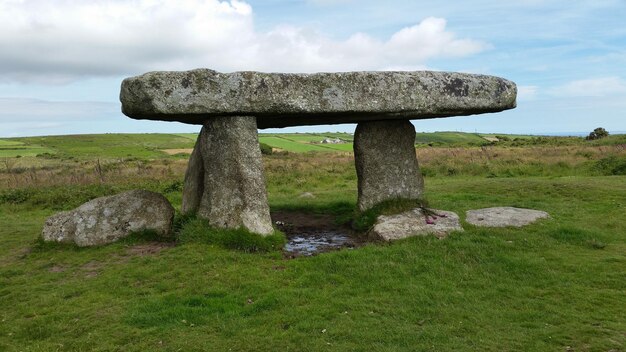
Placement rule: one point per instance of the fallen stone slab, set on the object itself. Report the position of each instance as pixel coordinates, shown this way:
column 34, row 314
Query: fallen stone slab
column 107, row 219
column 415, row 223
column 504, row 216
column 294, row 99
column 386, row 163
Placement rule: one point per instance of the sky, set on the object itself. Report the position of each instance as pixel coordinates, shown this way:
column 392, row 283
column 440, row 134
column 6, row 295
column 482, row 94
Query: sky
column 62, row 61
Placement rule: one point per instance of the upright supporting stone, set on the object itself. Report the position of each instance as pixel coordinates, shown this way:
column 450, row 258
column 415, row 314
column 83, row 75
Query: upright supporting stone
column 193, row 188
column 224, row 182
column 386, row 164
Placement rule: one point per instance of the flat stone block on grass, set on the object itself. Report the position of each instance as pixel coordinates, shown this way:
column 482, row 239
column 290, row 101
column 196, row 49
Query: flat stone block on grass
column 415, row 223
column 504, row 216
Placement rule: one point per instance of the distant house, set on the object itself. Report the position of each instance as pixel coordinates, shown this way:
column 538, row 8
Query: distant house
column 332, row 141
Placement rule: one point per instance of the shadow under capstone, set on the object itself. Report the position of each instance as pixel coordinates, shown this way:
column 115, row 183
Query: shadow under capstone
column 310, row 234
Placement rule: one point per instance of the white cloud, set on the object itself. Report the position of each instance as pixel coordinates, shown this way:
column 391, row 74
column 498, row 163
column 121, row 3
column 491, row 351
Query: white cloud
column 329, row 2
column 29, row 117
column 526, row 92
column 592, row 87
column 25, row 109
column 59, row 41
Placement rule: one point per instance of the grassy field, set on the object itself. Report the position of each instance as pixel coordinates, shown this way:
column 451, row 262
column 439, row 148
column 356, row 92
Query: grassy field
column 449, row 138
column 17, row 149
column 306, row 142
column 558, row 285
column 155, row 146
column 111, row 145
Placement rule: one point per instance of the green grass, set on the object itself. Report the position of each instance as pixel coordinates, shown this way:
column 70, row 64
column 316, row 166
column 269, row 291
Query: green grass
column 554, row 284
column 306, row 142
column 13, row 148
column 150, row 146
column 454, row 138
column 112, row 145
column 190, row 136
column 198, row 230
column 5, row 143
column 510, row 136
column 297, row 137
column 289, row 145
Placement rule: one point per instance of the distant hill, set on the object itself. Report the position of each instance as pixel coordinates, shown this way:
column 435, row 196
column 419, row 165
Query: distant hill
column 161, row 145
column 449, row 138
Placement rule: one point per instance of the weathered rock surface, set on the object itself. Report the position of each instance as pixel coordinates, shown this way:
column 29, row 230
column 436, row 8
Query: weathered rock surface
column 288, row 99
column 386, row 163
column 504, row 216
column 193, row 187
column 415, row 223
column 224, row 182
column 107, row 219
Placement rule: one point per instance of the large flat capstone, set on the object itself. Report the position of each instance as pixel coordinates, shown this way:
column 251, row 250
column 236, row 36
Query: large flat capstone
column 289, row 99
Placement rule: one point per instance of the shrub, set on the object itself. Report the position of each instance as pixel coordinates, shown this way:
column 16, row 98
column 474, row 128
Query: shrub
column 611, row 165
column 597, row 134
column 47, row 155
column 175, row 186
column 265, row 149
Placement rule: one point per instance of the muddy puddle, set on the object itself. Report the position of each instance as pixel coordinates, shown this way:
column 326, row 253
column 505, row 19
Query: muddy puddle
column 311, row 234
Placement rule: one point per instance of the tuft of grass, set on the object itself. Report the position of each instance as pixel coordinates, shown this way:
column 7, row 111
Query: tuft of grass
column 189, row 311
column 146, row 236
column 578, row 236
column 611, row 165
column 197, row 230
column 40, row 246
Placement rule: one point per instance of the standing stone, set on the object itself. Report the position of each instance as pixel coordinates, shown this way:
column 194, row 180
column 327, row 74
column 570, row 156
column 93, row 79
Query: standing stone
column 224, row 182
column 386, row 163
column 193, row 188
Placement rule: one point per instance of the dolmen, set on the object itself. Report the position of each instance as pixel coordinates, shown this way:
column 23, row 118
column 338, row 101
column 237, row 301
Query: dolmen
column 224, row 182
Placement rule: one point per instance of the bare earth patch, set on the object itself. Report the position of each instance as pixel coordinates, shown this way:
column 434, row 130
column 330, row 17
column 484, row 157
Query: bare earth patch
column 311, row 234
column 57, row 268
column 151, row 248
column 177, row 151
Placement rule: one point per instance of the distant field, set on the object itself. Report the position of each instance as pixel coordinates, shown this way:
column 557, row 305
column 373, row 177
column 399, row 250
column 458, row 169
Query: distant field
column 13, row 148
column 289, row 145
column 305, row 142
column 190, row 136
column 449, row 138
column 4, row 143
column 511, row 136
column 111, row 145
column 158, row 146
